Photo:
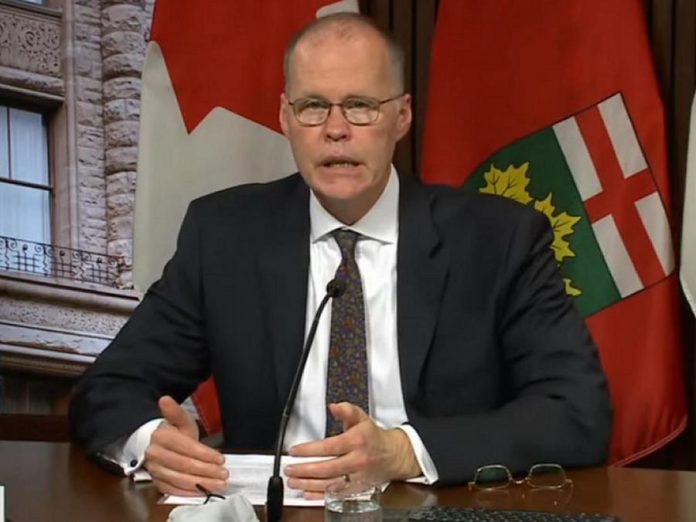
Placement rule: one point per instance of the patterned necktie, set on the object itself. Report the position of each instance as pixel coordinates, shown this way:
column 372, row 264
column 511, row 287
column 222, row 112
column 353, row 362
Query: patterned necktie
column 346, row 376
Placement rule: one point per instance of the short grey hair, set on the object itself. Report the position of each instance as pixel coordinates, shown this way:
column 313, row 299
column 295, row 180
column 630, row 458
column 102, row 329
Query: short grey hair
column 343, row 25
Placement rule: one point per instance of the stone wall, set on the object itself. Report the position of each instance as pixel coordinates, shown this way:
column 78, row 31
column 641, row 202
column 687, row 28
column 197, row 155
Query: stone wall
column 84, row 54
column 82, row 59
column 124, row 26
column 85, row 57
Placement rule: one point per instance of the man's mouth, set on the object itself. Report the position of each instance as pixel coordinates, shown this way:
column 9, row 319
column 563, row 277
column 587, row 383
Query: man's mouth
column 339, row 163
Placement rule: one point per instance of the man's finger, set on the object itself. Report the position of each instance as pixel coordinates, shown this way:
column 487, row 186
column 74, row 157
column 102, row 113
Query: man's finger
column 184, row 463
column 329, row 447
column 313, row 495
column 348, row 413
column 183, row 483
column 324, row 469
column 174, row 440
column 177, row 416
column 318, row 485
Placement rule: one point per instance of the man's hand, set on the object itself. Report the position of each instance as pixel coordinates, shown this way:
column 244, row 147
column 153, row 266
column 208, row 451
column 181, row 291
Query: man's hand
column 175, row 458
column 362, row 451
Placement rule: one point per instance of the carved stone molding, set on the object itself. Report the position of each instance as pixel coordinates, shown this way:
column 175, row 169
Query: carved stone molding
column 57, row 319
column 57, row 328
column 33, row 84
column 42, row 362
column 30, row 45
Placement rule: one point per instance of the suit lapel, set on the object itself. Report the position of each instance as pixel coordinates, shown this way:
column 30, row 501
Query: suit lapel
column 285, row 265
column 422, row 273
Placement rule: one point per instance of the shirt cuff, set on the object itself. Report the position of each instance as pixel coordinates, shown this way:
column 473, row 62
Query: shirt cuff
column 129, row 455
column 429, row 471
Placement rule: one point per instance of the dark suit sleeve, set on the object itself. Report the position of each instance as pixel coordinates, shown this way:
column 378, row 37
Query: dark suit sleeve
column 161, row 350
column 556, row 407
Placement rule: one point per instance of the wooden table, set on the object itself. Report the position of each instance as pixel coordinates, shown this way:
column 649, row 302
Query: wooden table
column 55, row 481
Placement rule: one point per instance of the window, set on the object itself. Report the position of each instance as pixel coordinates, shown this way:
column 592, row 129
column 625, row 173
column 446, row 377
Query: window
column 25, row 185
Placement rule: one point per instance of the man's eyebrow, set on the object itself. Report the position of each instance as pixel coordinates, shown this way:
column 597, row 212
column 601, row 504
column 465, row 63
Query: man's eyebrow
column 348, row 96
column 310, row 96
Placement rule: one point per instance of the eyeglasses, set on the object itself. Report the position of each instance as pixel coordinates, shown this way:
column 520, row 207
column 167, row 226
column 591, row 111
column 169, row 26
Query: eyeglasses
column 540, row 476
column 357, row 110
column 209, row 495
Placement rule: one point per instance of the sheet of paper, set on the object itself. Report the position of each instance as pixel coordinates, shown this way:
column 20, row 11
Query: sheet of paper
column 249, row 476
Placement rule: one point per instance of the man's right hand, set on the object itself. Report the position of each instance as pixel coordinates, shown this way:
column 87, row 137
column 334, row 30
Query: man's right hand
column 176, row 459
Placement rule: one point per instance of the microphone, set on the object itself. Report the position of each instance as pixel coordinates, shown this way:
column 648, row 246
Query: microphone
column 274, row 493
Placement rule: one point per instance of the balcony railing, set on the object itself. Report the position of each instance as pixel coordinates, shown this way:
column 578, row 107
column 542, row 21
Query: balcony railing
column 53, row 261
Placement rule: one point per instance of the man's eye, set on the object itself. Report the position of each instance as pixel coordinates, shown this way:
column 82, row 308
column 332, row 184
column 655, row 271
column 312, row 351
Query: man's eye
column 313, row 105
column 358, row 103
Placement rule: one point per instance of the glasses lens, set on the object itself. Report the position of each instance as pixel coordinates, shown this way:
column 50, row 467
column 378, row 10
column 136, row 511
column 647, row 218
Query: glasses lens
column 361, row 111
column 546, row 476
column 492, row 477
column 311, row 111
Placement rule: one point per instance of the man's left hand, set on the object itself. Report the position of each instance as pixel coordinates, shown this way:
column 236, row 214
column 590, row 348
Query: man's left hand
column 363, row 451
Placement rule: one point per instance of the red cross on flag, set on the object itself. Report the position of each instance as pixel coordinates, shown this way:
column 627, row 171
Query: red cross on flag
column 619, row 193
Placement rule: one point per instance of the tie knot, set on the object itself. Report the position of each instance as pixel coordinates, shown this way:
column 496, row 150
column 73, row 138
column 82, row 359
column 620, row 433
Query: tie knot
column 346, row 240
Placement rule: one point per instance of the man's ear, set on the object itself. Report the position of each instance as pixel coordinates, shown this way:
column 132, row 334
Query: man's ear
column 283, row 113
column 405, row 116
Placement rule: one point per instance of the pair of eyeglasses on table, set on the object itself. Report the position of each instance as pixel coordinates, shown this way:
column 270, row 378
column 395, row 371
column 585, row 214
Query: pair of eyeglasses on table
column 496, row 477
column 209, row 495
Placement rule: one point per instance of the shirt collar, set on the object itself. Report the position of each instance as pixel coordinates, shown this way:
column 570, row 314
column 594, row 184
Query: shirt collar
column 380, row 222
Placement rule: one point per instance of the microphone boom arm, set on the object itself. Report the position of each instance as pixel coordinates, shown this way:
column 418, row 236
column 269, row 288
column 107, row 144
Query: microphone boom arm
column 296, row 383
column 275, row 491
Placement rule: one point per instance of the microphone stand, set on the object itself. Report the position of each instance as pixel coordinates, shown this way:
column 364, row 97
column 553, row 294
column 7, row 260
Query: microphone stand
column 275, row 491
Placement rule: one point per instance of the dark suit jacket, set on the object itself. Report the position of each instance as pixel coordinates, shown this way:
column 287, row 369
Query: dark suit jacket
column 496, row 364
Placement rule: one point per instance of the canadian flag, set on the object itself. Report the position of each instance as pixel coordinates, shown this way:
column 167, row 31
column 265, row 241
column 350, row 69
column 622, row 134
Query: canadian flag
column 211, row 86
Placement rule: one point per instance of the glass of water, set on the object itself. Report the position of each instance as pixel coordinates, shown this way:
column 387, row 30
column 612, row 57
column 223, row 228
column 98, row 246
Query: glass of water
column 353, row 501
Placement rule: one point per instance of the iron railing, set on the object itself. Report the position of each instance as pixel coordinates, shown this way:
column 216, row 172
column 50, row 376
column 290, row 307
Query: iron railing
column 54, row 261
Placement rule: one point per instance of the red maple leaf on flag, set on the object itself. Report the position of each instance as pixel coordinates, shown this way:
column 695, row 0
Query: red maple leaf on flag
column 216, row 63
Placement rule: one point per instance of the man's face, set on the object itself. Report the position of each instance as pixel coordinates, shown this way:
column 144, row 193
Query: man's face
column 347, row 166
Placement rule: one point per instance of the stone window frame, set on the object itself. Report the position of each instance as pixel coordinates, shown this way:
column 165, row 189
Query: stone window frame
column 42, row 6
column 53, row 102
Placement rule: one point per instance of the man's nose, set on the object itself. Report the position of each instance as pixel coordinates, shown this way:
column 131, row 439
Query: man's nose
column 336, row 125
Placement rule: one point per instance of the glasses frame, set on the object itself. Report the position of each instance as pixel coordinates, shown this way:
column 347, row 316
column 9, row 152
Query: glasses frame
column 341, row 104
column 209, row 495
column 528, row 480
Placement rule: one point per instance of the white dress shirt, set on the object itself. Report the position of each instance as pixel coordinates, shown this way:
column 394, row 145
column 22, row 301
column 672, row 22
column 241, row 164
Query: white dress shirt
column 375, row 254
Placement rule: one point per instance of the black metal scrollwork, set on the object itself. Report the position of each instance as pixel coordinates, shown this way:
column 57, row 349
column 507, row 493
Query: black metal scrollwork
column 54, row 261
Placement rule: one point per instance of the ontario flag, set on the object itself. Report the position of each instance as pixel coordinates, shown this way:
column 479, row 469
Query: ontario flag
column 211, row 87
column 556, row 105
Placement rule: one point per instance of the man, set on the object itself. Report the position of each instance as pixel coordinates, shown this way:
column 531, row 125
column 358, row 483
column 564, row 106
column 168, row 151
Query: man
column 475, row 354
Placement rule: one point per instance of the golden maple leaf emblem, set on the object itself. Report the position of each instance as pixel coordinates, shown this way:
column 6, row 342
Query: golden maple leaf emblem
column 512, row 183
column 570, row 289
column 561, row 224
